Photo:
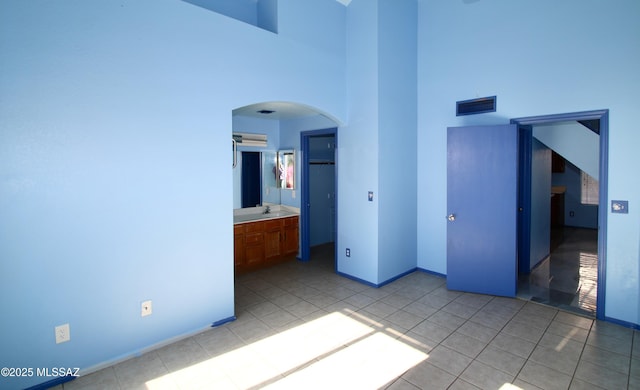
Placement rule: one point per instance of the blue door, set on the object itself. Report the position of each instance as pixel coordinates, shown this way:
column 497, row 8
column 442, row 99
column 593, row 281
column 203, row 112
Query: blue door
column 482, row 194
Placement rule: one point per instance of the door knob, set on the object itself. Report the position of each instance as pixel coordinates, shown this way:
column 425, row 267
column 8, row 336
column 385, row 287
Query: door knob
column 451, row 217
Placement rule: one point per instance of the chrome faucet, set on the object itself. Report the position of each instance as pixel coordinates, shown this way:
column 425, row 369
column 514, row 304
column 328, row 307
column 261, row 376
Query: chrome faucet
column 267, row 209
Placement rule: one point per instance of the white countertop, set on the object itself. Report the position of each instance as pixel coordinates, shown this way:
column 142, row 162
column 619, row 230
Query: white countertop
column 257, row 214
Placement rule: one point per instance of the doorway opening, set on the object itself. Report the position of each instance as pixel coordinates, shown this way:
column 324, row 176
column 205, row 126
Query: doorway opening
column 278, row 125
column 562, row 232
column 318, row 217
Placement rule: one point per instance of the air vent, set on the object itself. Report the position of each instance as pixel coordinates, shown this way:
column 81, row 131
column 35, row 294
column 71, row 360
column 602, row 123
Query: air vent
column 476, row 106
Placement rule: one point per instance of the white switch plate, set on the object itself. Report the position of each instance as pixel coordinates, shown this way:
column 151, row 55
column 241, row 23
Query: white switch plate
column 145, row 308
column 62, row 333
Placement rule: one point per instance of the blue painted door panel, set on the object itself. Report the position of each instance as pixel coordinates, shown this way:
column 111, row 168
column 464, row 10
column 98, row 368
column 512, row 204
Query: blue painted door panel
column 482, row 193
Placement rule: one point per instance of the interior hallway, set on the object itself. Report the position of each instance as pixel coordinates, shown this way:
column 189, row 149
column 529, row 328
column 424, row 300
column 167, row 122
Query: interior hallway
column 299, row 325
column 568, row 279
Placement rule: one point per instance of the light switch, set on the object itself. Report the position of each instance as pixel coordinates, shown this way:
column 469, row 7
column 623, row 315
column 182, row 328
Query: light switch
column 370, row 196
column 620, row 206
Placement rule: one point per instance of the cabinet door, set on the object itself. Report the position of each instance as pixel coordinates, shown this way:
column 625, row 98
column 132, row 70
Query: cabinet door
column 290, row 239
column 272, row 240
column 254, row 249
column 254, row 244
column 238, row 248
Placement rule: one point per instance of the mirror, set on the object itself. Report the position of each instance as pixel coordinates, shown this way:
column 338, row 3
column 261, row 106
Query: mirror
column 250, row 184
column 255, row 173
column 270, row 193
column 286, row 169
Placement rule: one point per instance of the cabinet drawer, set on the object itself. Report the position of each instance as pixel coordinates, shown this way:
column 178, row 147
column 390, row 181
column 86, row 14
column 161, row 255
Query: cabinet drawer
column 254, row 227
column 272, row 225
column 253, row 238
column 290, row 221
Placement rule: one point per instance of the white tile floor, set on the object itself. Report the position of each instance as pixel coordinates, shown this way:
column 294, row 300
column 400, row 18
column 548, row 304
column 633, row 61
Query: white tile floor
column 301, row 326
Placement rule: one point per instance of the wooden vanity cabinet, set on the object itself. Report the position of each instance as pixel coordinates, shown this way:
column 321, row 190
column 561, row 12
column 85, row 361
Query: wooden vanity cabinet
column 290, row 239
column 238, row 247
column 263, row 243
column 272, row 240
column 254, row 244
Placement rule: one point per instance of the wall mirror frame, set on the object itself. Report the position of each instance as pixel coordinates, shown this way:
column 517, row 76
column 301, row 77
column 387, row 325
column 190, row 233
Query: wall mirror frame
column 286, row 169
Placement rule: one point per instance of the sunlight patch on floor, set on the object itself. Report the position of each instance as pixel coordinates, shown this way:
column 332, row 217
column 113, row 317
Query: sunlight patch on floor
column 566, row 339
column 367, row 364
column 588, row 289
column 509, row 386
column 332, row 348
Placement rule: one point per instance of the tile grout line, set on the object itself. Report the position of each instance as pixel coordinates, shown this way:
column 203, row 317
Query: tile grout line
column 573, row 377
column 500, row 330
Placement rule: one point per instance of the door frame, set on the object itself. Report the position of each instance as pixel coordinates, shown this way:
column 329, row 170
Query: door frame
column 525, row 140
column 305, row 220
column 603, row 116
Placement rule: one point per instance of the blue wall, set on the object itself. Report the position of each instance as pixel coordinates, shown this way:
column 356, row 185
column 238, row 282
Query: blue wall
column 574, row 142
column 580, row 147
column 281, row 135
column 397, row 136
column 357, row 152
column 269, row 127
column 376, row 148
column 114, row 148
column 267, row 14
column 584, row 215
column 114, row 145
column 260, row 13
column 244, row 10
column 485, row 48
column 290, row 130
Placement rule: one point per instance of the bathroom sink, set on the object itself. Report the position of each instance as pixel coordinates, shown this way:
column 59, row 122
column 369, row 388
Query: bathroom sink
column 262, row 216
column 277, row 214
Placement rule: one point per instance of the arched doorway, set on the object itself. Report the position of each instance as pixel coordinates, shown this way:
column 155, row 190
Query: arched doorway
column 290, row 126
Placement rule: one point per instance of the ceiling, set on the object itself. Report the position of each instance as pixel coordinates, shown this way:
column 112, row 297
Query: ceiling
column 281, row 111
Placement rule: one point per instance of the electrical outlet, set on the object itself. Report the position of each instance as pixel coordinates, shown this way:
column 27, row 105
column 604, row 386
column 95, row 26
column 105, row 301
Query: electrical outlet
column 348, row 252
column 62, row 333
column 145, row 308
